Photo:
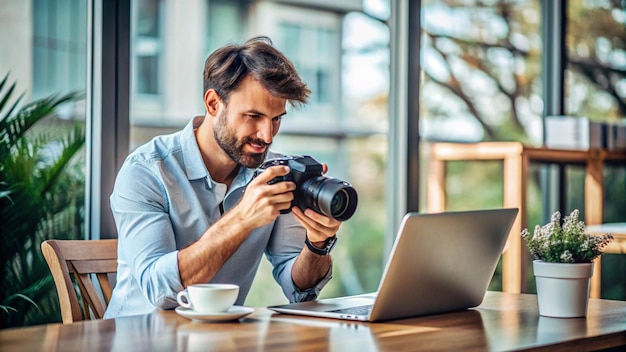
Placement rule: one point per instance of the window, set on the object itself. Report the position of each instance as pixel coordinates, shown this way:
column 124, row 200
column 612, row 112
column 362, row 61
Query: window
column 44, row 53
column 480, row 65
column 226, row 24
column 596, row 60
column 147, row 47
column 59, row 47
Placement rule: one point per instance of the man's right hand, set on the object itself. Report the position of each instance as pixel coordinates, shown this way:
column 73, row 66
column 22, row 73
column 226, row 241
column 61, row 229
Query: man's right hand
column 261, row 202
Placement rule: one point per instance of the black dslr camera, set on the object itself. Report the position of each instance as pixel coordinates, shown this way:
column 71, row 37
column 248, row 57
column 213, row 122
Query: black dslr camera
column 326, row 195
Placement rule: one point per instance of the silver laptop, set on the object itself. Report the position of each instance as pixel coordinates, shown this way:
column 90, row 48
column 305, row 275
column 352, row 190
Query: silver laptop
column 439, row 263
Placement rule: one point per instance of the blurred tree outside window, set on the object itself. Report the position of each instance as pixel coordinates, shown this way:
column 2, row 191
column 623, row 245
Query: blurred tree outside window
column 595, row 78
column 481, row 71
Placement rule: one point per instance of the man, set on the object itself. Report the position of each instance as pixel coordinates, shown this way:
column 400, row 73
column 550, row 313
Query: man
column 176, row 199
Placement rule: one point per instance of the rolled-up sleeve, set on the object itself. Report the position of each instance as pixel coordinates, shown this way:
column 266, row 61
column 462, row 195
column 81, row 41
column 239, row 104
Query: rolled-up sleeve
column 286, row 243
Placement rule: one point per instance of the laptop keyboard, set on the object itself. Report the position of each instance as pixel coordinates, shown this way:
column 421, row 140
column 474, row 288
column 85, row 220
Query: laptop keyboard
column 359, row 310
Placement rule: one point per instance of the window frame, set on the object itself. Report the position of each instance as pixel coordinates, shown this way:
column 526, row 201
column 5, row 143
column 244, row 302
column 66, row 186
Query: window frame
column 108, row 112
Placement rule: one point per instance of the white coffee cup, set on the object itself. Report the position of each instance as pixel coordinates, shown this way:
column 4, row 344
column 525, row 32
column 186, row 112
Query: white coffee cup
column 208, row 298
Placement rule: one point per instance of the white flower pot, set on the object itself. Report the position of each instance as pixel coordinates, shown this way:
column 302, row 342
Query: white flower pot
column 562, row 289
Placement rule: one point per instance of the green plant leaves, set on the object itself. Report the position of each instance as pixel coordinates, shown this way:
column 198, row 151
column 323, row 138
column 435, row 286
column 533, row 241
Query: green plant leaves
column 565, row 243
column 41, row 197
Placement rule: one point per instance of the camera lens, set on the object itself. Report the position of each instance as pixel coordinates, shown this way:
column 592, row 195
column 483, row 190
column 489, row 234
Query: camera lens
column 338, row 204
column 329, row 196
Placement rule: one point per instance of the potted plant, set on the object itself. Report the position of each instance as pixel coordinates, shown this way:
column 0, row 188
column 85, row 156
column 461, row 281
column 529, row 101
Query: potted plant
column 564, row 264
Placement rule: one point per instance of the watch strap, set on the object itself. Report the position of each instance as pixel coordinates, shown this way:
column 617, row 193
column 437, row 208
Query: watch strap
column 329, row 243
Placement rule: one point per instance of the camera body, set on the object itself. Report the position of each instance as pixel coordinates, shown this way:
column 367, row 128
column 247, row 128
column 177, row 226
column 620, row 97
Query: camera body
column 326, row 195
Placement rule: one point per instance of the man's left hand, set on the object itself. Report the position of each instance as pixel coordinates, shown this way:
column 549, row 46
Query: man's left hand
column 318, row 227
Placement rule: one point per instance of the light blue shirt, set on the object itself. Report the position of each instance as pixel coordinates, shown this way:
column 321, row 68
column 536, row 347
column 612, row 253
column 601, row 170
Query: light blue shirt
column 164, row 199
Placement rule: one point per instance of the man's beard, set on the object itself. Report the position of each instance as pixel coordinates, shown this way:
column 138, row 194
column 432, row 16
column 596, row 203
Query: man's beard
column 227, row 140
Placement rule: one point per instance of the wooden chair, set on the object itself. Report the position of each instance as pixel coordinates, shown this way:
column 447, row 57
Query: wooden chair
column 84, row 260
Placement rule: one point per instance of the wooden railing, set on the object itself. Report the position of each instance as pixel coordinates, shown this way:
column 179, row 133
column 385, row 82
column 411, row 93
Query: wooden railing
column 517, row 158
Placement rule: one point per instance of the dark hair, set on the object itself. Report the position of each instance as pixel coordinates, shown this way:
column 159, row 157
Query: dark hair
column 228, row 65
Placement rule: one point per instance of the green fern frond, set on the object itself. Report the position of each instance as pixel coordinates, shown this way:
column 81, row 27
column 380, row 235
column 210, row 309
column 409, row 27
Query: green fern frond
column 41, row 197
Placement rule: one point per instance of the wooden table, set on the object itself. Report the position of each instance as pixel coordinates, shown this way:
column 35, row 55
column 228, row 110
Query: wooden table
column 517, row 158
column 503, row 322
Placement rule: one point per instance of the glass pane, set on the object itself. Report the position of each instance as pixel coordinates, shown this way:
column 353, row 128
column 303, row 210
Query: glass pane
column 147, row 82
column 480, row 82
column 595, row 88
column 480, row 64
column 148, row 23
column 344, row 125
column 614, row 265
column 314, row 46
column 225, row 24
column 44, row 53
column 596, row 60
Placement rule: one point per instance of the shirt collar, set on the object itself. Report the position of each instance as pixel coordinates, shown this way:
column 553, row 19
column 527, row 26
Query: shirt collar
column 194, row 165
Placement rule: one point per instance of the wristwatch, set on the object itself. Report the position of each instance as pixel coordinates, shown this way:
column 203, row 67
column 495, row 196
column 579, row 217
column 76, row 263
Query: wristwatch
column 328, row 245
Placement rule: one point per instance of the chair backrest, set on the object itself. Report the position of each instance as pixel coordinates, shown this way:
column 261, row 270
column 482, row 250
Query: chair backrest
column 83, row 260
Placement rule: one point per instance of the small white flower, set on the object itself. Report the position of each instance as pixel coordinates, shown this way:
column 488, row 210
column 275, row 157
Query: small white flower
column 585, row 246
column 567, row 257
column 556, row 217
column 524, row 233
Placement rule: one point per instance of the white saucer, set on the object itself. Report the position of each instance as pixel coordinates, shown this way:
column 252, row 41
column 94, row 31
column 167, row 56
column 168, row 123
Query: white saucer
column 235, row 312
